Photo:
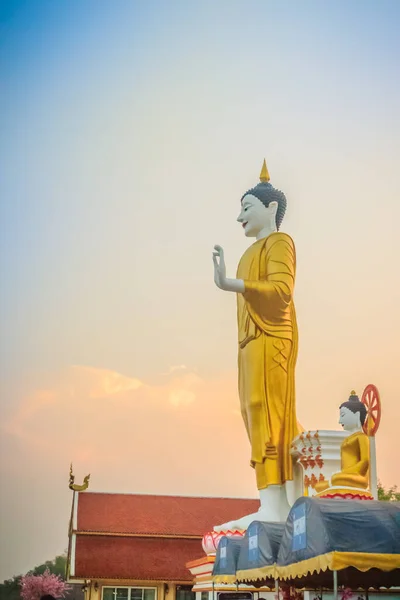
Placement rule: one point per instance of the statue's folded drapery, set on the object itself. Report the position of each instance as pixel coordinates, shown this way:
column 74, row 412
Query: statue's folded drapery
column 267, row 355
column 354, row 462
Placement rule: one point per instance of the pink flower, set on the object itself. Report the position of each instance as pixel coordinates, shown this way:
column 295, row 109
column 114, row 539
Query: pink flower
column 35, row 586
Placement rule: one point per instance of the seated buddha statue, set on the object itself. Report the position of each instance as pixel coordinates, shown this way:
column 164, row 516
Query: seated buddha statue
column 354, row 453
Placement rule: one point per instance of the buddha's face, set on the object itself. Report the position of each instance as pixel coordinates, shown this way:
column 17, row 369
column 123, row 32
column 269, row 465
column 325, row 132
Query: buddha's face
column 255, row 216
column 349, row 420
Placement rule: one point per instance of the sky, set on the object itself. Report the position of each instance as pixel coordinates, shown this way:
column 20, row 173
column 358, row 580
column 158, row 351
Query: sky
column 130, row 131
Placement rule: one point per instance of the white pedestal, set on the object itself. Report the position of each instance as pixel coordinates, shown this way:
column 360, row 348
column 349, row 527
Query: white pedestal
column 316, row 456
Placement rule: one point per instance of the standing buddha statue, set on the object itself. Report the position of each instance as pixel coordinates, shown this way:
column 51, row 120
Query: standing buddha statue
column 267, row 345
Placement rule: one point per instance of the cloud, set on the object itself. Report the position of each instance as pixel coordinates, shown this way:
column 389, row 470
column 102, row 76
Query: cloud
column 104, row 382
column 37, row 412
column 182, row 436
column 175, row 368
column 101, row 420
column 181, row 398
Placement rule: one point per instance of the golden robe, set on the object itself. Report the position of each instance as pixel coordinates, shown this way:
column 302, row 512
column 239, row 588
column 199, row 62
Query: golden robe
column 267, row 355
column 354, row 454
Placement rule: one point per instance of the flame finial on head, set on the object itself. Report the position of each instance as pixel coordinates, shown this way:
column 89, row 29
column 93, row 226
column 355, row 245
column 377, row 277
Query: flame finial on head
column 264, row 175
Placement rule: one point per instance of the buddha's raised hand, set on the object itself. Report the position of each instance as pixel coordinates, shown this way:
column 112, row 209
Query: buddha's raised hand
column 219, row 267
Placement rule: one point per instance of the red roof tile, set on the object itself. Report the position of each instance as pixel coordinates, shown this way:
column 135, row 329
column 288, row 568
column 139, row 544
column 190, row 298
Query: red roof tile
column 148, row 514
column 134, row 558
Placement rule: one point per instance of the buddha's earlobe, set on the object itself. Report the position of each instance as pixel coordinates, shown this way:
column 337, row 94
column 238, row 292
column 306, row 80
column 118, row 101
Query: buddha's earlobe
column 273, row 209
column 273, row 206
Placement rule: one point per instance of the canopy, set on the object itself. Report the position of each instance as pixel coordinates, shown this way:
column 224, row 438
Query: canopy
column 238, row 557
column 225, row 565
column 360, row 539
column 260, row 548
column 336, row 534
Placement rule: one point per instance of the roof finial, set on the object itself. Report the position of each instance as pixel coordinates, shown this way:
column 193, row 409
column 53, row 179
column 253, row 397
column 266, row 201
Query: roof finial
column 264, row 175
column 71, row 476
column 74, row 486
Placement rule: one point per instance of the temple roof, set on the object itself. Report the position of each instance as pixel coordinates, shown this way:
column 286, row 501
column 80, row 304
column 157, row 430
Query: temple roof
column 143, row 537
column 157, row 515
column 135, row 558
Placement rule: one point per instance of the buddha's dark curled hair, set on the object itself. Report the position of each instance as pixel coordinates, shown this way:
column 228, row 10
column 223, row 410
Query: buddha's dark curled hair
column 355, row 405
column 266, row 193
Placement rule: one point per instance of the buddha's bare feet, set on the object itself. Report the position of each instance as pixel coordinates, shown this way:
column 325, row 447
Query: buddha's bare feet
column 263, row 514
column 238, row 524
